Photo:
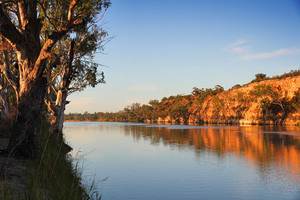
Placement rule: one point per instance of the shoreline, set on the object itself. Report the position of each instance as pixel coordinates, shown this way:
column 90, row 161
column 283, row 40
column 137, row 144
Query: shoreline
column 223, row 122
column 54, row 174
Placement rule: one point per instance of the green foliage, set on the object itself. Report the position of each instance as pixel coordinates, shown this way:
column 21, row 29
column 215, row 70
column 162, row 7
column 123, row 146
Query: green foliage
column 259, row 77
column 236, row 86
column 154, row 103
column 292, row 73
column 53, row 13
column 265, row 103
column 164, row 99
column 179, row 111
column 152, row 111
column 86, row 74
column 8, row 193
column 262, row 90
column 269, row 91
column 217, row 103
column 295, row 101
column 240, row 97
column 273, row 104
column 202, row 94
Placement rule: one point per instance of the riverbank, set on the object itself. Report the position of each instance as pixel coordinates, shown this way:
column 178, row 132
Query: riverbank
column 169, row 121
column 273, row 101
column 53, row 175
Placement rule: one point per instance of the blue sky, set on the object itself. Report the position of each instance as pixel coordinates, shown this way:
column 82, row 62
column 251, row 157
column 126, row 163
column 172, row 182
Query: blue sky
column 166, row 47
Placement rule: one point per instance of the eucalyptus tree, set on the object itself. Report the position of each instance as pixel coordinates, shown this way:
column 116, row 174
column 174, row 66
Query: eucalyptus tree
column 33, row 28
column 76, row 70
column 155, row 109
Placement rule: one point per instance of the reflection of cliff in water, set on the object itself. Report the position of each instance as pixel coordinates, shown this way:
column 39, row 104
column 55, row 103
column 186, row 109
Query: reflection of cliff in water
column 261, row 147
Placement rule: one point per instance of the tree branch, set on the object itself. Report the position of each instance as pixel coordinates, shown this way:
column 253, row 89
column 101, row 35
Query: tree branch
column 23, row 15
column 56, row 36
column 54, row 89
column 51, row 106
column 45, row 13
column 9, row 31
column 71, row 9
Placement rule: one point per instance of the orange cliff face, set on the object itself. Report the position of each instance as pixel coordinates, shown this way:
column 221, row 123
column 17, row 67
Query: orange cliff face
column 275, row 101
column 240, row 106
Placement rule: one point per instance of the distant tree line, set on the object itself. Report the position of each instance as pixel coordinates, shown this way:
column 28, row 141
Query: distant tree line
column 176, row 107
column 262, row 77
column 180, row 108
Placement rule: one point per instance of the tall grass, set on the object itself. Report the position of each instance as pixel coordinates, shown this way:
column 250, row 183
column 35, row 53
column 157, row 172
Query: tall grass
column 53, row 175
column 7, row 192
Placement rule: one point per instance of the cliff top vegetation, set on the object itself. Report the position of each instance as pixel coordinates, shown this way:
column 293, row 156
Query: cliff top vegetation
column 274, row 102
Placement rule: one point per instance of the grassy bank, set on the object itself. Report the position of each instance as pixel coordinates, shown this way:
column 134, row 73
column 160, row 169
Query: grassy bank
column 53, row 175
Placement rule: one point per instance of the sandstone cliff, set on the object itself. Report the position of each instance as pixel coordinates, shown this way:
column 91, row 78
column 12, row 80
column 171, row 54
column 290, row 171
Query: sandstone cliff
column 275, row 101
column 265, row 100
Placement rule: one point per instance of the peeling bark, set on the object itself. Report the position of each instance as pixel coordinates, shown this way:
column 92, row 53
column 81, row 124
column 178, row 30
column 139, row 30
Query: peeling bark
column 58, row 107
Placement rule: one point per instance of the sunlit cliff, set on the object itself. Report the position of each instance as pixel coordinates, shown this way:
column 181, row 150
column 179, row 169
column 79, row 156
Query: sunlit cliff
column 265, row 100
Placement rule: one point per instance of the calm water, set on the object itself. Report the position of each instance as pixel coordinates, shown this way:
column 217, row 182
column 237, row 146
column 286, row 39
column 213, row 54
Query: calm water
column 140, row 161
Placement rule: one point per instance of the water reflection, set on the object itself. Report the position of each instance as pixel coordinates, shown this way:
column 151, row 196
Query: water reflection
column 273, row 150
column 228, row 160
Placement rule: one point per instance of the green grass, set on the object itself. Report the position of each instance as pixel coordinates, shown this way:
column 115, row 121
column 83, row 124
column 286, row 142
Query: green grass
column 7, row 192
column 54, row 175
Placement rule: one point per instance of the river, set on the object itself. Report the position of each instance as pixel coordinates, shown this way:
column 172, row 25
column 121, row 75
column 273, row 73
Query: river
column 151, row 162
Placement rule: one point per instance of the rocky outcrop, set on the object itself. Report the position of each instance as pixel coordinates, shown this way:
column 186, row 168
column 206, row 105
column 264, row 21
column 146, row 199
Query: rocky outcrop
column 265, row 100
column 275, row 101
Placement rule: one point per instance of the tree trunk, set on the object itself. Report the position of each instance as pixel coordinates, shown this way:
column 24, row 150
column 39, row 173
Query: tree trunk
column 58, row 110
column 22, row 31
column 57, row 119
column 26, row 129
column 4, row 103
